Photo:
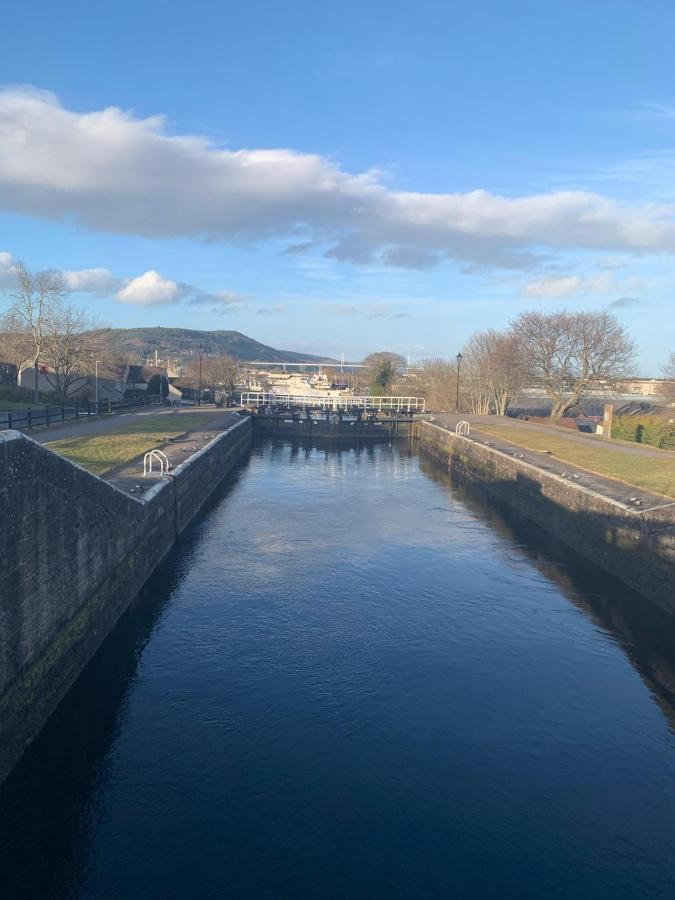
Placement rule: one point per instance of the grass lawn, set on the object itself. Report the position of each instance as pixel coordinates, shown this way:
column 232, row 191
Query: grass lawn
column 102, row 452
column 651, row 473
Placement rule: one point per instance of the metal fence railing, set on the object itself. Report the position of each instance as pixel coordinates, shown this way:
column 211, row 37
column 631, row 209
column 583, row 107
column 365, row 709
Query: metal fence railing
column 48, row 415
column 321, row 401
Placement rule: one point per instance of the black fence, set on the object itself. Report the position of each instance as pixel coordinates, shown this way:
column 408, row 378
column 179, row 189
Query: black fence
column 48, row 415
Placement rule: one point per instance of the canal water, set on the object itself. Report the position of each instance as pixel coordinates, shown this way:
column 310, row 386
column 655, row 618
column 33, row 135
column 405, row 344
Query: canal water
column 355, row 679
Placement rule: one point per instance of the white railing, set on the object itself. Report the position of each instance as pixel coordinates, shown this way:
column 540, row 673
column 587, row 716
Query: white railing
column 156, row 456
column 462, row 428
column 320, row 401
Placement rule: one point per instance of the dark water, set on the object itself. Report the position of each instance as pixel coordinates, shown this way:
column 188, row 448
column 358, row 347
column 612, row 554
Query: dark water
column 356, row 680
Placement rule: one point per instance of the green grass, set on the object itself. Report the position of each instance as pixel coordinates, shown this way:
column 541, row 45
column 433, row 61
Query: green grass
column 652, row 473
column 105, row 451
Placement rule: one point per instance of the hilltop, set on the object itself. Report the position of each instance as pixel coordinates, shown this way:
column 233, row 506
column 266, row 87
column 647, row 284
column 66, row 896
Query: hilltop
column 182, row 344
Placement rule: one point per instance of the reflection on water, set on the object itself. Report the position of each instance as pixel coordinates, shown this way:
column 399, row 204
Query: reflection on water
column 644, row 631
column 356, row 678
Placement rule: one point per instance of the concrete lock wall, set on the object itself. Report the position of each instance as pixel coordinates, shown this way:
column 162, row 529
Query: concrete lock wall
column 75, row 552
column 637, row 547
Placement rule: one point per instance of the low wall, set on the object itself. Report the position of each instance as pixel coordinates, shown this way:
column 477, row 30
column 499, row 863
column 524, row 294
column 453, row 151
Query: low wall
column 74, row 552
column 636, row 546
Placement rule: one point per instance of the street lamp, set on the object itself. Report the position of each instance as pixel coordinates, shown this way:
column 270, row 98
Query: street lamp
column 96, row 383
column 459, row 363
column 201, row 353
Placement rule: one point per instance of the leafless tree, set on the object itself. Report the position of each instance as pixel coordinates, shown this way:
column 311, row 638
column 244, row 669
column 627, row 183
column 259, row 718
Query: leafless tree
column 112, row 363
column 436, row 381
column 15, row 341
column 35, row 299
column 494, row 371
column 669, row 375
column 72, row 343
column 567, row 352
column 217, row 371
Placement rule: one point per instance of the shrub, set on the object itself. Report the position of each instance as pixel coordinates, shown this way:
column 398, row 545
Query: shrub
column 654, row 430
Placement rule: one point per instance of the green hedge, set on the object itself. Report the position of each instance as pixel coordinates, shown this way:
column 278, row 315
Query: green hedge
column 10, row 393
column 658, row 431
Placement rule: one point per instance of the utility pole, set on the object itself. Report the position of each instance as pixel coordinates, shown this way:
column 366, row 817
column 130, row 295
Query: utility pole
column 96, row 384
column 459, row 362
column 201, row 353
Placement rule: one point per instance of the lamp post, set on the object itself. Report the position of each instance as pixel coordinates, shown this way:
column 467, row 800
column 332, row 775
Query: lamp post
column 96, row 383
column 201, row 353
column 459, row 363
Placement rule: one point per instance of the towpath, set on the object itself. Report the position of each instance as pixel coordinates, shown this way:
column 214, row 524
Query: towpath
column 631, row 496
column 129, row 477
column 103, row 424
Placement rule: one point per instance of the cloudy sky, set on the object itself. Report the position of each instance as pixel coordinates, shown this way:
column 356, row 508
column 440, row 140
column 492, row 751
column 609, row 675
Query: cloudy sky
column 346, row 176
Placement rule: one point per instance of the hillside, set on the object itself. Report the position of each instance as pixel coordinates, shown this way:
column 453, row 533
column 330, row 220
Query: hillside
column 183, row 343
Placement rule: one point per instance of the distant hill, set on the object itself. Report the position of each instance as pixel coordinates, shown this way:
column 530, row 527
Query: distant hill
column 182, row 344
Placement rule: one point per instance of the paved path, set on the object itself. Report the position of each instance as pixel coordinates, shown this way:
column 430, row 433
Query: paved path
column 129, row 476
column 628, row 495
column 558, row 431
column 99, row 425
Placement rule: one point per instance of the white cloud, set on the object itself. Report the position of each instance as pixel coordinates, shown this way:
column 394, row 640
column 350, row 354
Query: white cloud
column 92, row 281
column 152, row 289
column 567, row 285
column 220, row 298
column 111, row 171
column 149, row 289
column 6, row 270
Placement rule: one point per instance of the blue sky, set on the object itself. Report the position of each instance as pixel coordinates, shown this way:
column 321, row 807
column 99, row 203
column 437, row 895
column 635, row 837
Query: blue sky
column 348, row 176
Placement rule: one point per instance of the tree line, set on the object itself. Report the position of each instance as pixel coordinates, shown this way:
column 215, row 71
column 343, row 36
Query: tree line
column 41, row 330
column 564, row 353
column 64, row 345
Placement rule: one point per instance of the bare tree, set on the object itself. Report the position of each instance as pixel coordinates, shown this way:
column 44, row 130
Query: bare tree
column 475, row 382
column 113, row 364
column 436, row 381
column 217, row 371
column 669, row 375
column 221, row 371
column 568, row 352
column 33, row 301
column 494, row 371
column 72, row 343
column 15, row 341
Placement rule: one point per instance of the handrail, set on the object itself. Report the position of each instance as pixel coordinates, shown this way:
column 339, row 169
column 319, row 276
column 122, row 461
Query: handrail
column 31, row 416
column 320, row 401
column 160, row 457
column 463, row 427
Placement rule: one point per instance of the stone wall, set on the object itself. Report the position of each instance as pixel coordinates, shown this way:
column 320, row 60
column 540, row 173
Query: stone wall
column 74, row 551
column 636, row 546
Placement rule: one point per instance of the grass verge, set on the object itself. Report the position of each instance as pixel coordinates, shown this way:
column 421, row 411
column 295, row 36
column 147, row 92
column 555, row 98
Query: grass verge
column 105, row 451
column 648, row 472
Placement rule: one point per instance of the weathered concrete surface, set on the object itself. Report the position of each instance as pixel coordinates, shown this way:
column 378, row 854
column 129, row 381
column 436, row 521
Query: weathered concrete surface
column 74, row 551
column 638, row 546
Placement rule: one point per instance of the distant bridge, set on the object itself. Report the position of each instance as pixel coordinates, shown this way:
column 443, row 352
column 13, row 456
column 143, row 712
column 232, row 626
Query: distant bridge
column 317, row 400
column 270, row 364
